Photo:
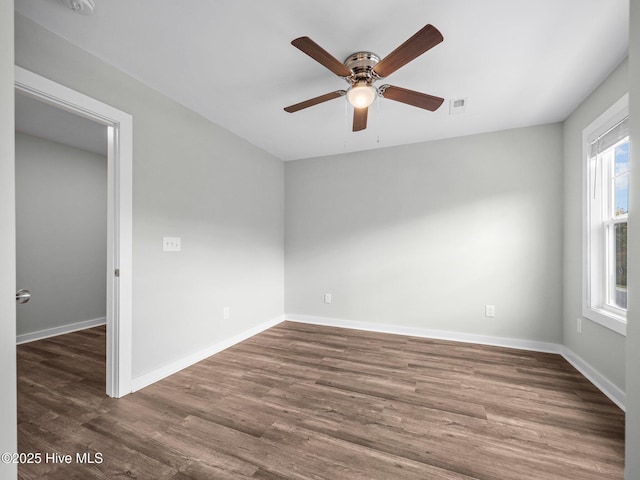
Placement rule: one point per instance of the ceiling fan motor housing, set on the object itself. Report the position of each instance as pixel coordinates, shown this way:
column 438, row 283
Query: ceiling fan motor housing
column 361, row 64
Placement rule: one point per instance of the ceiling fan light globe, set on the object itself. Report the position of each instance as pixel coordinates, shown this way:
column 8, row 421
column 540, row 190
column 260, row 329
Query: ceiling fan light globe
column 361, row 96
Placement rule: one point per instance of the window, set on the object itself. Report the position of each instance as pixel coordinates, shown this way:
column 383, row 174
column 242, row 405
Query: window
column 606, row 145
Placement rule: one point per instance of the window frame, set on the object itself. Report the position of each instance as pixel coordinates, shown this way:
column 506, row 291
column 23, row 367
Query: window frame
column 595, row 259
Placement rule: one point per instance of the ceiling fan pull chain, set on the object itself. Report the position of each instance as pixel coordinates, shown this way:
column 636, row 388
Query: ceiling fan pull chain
column 378, row 119
column 346, row 122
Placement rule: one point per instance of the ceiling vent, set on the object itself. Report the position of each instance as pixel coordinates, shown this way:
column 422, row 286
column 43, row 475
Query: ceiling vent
column 83, row 7
column 458, row 105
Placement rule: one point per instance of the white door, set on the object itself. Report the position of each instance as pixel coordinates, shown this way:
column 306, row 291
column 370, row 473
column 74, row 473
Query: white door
column 8, row 435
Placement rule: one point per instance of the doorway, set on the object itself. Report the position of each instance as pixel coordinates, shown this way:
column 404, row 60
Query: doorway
column 61, row 220
column 119, row 139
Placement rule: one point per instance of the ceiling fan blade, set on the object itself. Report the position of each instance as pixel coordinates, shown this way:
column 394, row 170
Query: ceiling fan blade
column 411, row 97
column 425, row 39
column 321, row 56
column 315, row 101
column 360, row 118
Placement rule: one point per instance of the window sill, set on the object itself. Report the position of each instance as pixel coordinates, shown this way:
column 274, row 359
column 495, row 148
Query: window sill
column 607, row 319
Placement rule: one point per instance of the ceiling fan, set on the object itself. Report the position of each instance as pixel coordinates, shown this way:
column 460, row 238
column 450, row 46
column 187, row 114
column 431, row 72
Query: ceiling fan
column 362, row 69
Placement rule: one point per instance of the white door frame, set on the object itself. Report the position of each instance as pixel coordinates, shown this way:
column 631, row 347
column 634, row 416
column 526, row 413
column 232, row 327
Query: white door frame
column 119, row 215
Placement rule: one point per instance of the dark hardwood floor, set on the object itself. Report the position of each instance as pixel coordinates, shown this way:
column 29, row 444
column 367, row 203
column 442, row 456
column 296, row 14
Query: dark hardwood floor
column 308, row 402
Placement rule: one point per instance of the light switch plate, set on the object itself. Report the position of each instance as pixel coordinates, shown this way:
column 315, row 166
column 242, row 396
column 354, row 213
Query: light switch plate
column 171, row 244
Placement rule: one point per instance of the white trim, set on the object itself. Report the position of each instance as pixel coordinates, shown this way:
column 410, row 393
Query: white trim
column 119, row 214
column 606, row 319
column 61, row 330
column 592, row 263
column 616, row 395
column 182, row 363
column 428, row 333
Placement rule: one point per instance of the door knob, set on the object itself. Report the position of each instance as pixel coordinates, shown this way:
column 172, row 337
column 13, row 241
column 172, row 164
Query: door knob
column 23, row 296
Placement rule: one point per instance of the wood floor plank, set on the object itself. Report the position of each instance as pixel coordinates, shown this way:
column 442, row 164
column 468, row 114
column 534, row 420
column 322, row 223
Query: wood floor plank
column 306, row 402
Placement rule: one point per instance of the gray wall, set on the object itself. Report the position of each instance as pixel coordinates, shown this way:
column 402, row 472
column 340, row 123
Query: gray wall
column 192, row 179
column 425, row 235
column 599, row 346
column 8, row 435
column 632, row 469
column 61, row 233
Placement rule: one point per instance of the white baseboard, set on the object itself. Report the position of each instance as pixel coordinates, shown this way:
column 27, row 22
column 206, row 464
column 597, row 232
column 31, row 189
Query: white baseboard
column 616, row 395
column 427, row 333
column 174, row 367
column 61, row 330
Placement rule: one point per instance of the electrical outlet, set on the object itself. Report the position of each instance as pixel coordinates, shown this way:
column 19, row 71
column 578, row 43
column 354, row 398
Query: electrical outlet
column 579, row 325
column 327, row 298
column 171, row 244
column 225, row 313
column 489, row 310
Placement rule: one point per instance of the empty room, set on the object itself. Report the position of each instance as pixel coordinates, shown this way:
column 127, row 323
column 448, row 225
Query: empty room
column 331, row 240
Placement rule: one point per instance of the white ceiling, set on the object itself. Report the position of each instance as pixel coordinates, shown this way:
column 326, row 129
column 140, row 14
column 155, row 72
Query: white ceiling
column 518, row 62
